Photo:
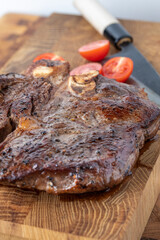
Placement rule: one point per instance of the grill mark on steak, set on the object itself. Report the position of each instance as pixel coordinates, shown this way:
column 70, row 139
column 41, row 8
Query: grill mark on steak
column 72, row 141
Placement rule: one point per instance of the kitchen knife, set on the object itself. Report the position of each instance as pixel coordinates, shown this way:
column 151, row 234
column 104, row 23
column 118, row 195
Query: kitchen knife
column 110, row 27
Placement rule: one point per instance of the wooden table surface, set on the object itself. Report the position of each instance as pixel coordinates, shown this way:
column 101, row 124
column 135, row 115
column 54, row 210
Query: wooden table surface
column 15, row 29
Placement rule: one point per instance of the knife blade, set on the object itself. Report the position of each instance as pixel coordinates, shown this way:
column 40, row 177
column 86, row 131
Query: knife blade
column 107, row 25
column 143, row 73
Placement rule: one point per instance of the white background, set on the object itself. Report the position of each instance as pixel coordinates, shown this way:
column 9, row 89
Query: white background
column 126, row 9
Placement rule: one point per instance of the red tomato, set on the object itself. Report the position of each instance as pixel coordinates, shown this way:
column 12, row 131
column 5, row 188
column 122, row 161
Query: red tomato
column 86, row 68
column 50, row 56
column 118, row 68
column 95, row 51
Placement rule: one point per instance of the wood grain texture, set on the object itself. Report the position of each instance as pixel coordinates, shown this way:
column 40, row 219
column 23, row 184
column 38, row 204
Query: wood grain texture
column 14, row 30
column 152, row 228
column 119, row 214
column 12, row 231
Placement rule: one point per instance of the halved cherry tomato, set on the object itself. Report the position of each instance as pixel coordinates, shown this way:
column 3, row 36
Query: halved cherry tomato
column 86, row 68
column 95, row 51
column 118, row 68
column 50, row 56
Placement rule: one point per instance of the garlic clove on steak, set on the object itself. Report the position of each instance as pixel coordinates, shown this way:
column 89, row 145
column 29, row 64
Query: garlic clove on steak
column 42, row 71
column 83, row 84
column 27, row 124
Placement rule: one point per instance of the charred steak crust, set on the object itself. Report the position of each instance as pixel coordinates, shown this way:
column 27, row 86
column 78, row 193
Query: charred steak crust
column 70, row 134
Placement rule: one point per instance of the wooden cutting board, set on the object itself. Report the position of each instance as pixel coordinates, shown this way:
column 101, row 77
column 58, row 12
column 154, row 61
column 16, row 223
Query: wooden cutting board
column 119, row 214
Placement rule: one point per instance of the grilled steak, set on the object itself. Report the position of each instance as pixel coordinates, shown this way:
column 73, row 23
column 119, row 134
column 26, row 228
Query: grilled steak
column 70, row 134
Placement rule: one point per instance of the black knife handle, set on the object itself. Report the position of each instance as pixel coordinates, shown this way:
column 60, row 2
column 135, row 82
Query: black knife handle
column 117, row 34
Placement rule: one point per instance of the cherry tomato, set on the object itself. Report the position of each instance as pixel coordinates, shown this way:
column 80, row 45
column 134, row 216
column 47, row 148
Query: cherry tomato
column 86, row 68
column 95, row 51
column 50, row 56
column 118, row 68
